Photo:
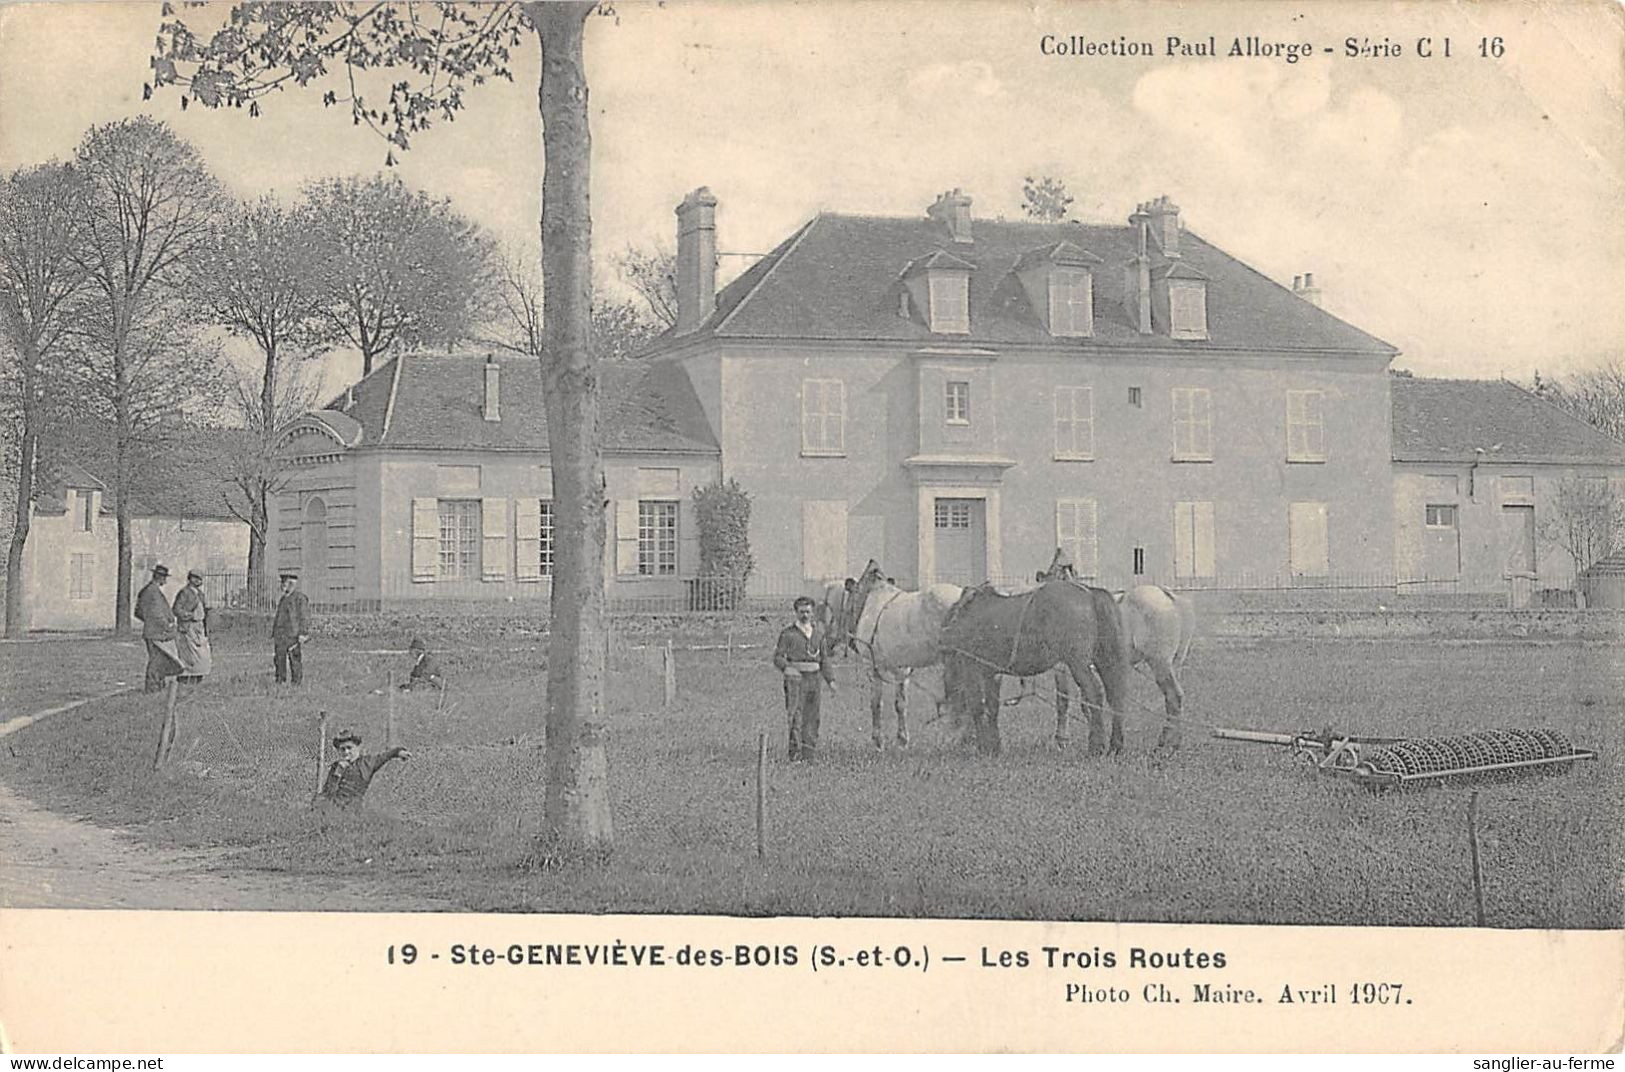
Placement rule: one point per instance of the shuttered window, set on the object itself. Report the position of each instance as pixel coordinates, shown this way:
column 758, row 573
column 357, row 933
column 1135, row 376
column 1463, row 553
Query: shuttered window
column 1305, row 426
column 1075, row 533
column 1307, row 538
column 1071, row 311
column 1193, row 539
column 494, row 542
column 823, row 417
column 460, row 534
column 1193, row 424
column 1075, row 423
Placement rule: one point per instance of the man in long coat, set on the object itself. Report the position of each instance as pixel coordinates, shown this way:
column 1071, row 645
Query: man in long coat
column 802, row 657
column 290, row 630
column 192, row 625
column 157, row 630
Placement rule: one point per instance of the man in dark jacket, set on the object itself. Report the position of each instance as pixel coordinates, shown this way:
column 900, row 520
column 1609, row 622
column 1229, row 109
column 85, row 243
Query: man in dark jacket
column 801, row 657
column 157, row 630
column 290, row 630
column 426, row 672
column 351, row 774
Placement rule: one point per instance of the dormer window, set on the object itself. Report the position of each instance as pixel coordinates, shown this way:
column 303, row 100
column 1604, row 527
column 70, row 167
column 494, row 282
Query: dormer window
column 950, row 302
column 1071, row 302
column 1059, row 283
column 85, row 501
column 1179, row 300
column 1187, row 310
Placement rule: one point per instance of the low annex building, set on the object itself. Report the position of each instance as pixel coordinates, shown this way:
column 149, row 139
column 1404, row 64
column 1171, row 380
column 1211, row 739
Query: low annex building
column 430, row 479
column 1478, row 469
column 181, row 516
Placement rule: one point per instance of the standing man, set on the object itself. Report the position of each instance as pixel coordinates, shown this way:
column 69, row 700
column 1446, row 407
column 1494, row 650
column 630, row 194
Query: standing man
column 158, row 630
column 192, row 624
column 290, row 630
column 802, row 658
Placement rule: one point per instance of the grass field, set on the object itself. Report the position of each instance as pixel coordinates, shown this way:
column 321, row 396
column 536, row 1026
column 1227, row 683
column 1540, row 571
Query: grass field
column 1222, row 832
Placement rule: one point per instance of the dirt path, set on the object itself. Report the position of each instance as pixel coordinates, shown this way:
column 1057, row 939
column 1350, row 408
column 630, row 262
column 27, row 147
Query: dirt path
column 52, row 861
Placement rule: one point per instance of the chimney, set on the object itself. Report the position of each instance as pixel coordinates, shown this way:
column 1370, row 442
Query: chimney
column 1137, row 274
column 1164, row 216
column 1306, row 288
column 952, row 210
column 492, row 410
column 696, row 259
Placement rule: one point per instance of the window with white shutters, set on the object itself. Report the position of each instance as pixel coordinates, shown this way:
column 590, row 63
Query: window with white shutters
column 1193, row 539
column 1075, row 533
column 1075, row 423
column 1305, row 426
column 823, row 417
column 460, row 534
column 1193, row 424
column 1071, row 310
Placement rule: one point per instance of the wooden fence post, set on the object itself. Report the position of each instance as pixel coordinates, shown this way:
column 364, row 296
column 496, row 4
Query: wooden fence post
column 389, row 724
column 321, row 753
column 1478, row 874
column 166, row 729
column 668, row 660
column 761, row 794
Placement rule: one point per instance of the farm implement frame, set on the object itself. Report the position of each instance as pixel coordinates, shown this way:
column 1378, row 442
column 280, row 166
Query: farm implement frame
column 1394, row 762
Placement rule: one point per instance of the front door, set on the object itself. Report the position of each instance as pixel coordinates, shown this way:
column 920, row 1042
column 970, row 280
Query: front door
column 961, row 541
column 1518, row 538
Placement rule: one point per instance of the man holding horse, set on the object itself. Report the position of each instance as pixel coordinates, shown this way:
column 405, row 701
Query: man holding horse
column 802, row 657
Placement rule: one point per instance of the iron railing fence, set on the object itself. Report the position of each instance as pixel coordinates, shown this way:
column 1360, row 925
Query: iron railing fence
column 771, row 592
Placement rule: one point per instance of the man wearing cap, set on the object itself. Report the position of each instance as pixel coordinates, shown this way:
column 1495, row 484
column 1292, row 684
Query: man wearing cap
column 192, row 625
column 290, row 630
column 425, row 669
column 801, row 658
column 351, row 774
column 157, row 630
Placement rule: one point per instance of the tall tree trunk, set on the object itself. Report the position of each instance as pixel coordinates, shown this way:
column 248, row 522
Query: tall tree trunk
column 257, row 511
column 16, row 608
column 576, row 814
column 121, row 424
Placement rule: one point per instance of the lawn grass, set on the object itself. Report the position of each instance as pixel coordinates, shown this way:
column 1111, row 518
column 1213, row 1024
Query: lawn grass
column 1223, row 832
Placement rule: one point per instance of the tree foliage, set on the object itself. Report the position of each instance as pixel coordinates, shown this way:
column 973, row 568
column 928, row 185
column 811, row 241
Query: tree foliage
column 1045, row 199
column 395, row 267
column 652, row 272
column 513, row 316
column 149, row 208
column 42, row 276
column 1595, row 395
column 1586, row 518
column 722, row 511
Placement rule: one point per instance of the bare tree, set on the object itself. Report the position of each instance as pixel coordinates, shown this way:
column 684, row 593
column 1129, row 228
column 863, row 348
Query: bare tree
column 1595, row 395
column 652, row 272
column 40, row 279
column 396, row 267
column 149, row 207
column 514, row 316
column 1586, row 519
column 258, row 279
column 1045, row 199
column 265, row 404
column 434, row 50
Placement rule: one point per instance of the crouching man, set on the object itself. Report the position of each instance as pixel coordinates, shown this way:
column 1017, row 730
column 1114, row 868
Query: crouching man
column 426, row 672
column 351, row 774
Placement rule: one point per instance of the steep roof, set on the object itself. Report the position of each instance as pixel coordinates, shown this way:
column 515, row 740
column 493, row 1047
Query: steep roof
column 436, row 400
column 1440, row 420
column 188, row 477
column 836, row 279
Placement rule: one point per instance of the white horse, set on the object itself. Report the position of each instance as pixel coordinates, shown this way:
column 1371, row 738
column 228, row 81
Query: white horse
column 894, row 632
column 1159, row 626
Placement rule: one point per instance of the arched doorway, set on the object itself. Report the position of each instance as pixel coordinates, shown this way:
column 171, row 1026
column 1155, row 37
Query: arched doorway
column 313, row 550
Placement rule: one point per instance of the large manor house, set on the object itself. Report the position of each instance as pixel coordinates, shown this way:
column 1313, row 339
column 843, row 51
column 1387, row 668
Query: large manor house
column 955, row 397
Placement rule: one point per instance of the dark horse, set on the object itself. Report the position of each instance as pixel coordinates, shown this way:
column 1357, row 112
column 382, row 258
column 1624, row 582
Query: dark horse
column 987, row 634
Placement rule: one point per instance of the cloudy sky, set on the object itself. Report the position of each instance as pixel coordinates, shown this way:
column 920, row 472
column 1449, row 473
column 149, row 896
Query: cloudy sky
column 1467, row 209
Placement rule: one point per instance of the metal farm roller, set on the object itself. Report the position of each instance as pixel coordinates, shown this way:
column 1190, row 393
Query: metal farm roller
column 1396, row 761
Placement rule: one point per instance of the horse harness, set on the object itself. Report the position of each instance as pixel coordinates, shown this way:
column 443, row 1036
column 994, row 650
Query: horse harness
column 874, row 634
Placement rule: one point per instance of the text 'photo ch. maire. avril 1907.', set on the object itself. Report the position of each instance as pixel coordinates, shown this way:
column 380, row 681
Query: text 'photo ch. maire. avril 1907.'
column 1111, row 515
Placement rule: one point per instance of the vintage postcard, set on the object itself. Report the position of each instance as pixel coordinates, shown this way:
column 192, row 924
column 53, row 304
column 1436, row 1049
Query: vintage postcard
column 812, row 526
